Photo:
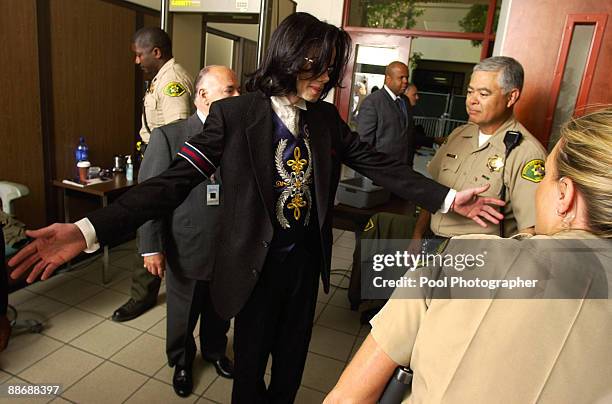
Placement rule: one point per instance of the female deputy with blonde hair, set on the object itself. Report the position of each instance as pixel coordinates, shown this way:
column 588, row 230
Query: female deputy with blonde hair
column 510, row 350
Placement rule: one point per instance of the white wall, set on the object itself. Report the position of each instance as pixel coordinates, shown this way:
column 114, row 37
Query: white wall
column 187, row 41
column 327, row 10
column 219, row 50
column 502, row 27
column 248, row 31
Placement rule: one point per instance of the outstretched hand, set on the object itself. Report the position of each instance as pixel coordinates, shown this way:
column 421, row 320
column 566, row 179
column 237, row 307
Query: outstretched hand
column 52, row 246
column 467, row 203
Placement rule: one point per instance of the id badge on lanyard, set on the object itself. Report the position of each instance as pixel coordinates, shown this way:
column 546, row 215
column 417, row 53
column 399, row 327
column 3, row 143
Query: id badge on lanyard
column 212, row 192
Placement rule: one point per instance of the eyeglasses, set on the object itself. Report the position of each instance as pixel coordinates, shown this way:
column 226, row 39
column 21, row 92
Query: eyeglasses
column 310, row 62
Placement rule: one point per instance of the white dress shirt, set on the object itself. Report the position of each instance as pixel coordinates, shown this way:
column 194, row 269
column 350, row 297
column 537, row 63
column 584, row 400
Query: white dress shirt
column 288, row 113
column 391, row 93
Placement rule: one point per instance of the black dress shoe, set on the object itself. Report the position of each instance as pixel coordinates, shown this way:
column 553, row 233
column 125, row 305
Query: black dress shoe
column 132, row 309
column 182, row 381
column 223, row 366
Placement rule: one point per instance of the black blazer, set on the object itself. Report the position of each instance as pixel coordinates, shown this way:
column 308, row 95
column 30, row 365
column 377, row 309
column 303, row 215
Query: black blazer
column 383, row 125
column 188, row 236
column 238, row 137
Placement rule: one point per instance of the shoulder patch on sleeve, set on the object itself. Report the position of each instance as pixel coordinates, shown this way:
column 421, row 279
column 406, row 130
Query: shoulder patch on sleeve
column 174, row 89
column 533, row 171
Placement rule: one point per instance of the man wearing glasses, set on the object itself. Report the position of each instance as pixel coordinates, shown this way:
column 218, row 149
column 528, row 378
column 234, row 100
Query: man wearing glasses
column 280, row 151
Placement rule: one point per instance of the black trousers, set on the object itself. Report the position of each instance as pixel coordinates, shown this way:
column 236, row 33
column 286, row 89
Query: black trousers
column 276, row 320
column 188, row 299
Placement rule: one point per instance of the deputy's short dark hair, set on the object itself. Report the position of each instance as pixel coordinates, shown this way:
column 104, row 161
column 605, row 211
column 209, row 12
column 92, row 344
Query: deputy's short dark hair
column 153, row 37
column 298, row 37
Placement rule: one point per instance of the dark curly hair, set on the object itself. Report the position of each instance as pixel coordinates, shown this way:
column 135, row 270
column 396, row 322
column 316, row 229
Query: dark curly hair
column 298, row 37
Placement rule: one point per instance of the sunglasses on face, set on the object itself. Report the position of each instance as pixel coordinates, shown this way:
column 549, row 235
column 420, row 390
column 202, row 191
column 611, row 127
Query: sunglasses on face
column 310, row 62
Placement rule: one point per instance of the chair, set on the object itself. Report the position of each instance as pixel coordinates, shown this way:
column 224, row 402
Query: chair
column 9, row 191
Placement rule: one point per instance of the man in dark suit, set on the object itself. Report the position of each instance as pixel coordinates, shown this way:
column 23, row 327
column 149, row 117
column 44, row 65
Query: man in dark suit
column 280, row 150
column 187, row 240
column 420, row 137
column 385, row 117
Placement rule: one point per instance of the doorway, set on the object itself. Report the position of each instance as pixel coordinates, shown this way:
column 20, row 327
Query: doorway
column 440, row 41
column 233, row 45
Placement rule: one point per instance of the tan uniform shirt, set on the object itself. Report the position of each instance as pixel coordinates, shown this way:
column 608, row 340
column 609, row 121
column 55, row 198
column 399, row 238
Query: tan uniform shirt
column 168, row 98
column 501, row 351
column 460, row 163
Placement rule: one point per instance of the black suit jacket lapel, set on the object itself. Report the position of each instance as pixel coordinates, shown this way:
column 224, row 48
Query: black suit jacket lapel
column 395, row 107
column 259, row 138
column 320, row 143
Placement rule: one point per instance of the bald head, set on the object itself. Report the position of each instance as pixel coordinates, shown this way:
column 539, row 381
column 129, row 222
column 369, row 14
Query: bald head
column 412, row 93
column 396, row 77
column 214, row 83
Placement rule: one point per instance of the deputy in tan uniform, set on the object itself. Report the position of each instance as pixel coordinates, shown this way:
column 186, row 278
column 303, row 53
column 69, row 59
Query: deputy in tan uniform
column 505, row 350
column 475, row 154
column 167, row 99
column 462, row 162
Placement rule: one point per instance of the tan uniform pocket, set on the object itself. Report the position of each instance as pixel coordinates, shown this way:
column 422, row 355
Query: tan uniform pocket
column 150, row 109
column 448, row 171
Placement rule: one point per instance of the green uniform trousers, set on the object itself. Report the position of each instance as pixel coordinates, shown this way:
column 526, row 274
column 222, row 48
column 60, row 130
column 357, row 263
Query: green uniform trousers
column 380, row 226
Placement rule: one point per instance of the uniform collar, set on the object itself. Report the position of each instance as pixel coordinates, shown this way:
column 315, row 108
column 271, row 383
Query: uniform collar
column 167, row 66
column 570, row 234
column 497, row 140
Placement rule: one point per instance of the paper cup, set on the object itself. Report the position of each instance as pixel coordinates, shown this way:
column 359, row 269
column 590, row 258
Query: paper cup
column 83, row 167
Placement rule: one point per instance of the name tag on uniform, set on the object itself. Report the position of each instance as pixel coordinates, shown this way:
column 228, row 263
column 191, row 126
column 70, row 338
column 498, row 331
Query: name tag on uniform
column 212, row 194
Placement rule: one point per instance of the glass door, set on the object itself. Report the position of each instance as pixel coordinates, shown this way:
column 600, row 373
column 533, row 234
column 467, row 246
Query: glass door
column 370, row 54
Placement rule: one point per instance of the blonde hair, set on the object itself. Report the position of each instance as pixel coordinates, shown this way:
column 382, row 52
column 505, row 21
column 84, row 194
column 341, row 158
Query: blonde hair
column 585, row 156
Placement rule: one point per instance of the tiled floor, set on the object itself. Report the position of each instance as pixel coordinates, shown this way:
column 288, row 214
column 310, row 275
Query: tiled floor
column 100, row 361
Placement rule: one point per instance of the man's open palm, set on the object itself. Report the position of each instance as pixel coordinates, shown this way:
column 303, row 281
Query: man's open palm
column 52, row 246
column 469, row 204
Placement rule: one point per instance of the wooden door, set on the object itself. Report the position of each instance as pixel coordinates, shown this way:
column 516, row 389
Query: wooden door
column 540, row 47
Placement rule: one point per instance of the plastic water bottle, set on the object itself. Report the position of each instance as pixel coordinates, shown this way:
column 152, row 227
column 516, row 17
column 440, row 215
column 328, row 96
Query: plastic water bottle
column 129, row 169
column 82, row 151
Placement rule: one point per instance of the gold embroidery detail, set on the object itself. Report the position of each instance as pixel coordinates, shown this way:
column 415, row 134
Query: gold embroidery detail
column 295, row 182
column 297, row 164
column 296, row 203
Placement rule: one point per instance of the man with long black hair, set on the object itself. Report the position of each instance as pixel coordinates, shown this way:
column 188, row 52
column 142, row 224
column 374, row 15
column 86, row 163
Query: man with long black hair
column 280, row 151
